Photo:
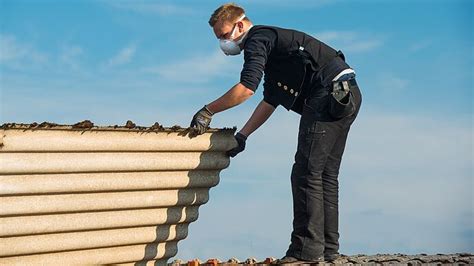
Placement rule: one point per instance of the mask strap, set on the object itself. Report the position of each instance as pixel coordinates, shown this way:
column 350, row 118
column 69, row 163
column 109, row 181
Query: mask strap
column 238, row 20
column 244, row 34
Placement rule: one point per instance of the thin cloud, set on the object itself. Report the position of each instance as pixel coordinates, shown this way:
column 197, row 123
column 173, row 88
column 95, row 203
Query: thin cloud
column 289, row 4
column 10, row 49
column 198, row 69
column 16, row 54
column 391, row 83
column 162, row 9
column 414, row 47
column 329, row 36
column 122, row 57
column 69, row 56
column 350, row 41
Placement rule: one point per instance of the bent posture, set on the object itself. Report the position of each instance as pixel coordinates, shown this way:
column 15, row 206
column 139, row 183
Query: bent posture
column 308, row 77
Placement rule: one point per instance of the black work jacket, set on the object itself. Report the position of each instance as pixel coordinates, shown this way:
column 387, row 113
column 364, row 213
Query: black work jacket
column 294, row 64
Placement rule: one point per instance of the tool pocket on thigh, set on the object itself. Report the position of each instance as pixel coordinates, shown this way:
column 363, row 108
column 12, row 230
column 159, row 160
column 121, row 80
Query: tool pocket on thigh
column 310, row 132
column 342, row 102
column 310, row 128
column 315, row 131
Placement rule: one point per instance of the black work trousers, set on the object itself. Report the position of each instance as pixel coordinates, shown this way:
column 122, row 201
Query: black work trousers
column 314, row 178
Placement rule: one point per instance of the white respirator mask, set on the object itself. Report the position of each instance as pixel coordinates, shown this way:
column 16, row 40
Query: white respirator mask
column 230, row 46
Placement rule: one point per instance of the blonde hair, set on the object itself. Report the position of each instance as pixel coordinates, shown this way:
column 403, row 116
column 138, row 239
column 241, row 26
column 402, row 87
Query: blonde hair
column 226, row 12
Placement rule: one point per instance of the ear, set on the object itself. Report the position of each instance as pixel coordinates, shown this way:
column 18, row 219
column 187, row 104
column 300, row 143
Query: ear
column 240, row 24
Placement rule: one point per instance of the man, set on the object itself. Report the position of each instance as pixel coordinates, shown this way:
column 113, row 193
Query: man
column 308, row 77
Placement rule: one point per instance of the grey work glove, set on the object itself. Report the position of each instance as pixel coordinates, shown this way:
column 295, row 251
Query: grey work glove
column 240, row 138
column 201, row 120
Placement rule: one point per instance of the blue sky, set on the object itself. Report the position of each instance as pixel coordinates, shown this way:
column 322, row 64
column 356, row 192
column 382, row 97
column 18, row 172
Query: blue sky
column 406, row 177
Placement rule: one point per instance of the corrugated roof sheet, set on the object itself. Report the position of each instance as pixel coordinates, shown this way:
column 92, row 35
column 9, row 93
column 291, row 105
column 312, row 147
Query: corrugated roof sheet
column 86, row 194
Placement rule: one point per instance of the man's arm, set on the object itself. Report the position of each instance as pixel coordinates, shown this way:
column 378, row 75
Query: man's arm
column 262, row 112
column 256, row 51
column 235, row 96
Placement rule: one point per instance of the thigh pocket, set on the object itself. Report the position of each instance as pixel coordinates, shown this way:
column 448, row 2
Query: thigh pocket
column 310, row 128
column 310, row 132
column 316, row 131
column 309, row 141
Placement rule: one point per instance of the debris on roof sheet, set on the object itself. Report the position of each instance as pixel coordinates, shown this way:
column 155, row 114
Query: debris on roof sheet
column 47, row 124
column 156, row 126
column 214, row 262
column 269, row 260
column 233, row 260
column 251, row 261
column 176, row 127
column 359, row 259
column 83, row 124
column 88, row 125
column 130, row 124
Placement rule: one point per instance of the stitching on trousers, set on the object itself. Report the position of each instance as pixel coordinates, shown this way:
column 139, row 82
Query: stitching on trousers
column 315, row 125
column 306, row 217
column 306, row 196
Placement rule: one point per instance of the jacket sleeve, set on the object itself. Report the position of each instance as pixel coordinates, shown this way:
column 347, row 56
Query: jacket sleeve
column 269, row 97
column 256, row 51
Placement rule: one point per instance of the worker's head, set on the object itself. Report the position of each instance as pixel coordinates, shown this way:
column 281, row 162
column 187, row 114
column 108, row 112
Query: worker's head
column 230, row 25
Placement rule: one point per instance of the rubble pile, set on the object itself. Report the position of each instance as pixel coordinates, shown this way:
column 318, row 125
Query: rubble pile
column 359, row 259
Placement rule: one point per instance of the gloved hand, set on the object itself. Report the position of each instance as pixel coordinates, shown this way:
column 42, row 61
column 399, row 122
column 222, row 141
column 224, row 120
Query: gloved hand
column 201, row 120
column 241, row 138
